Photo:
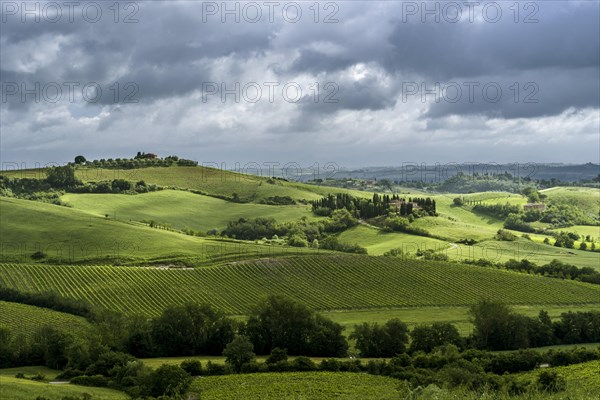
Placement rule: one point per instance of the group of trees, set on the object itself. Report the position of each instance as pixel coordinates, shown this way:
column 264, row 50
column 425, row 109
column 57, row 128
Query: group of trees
column 63, row 179
column 280, row 326
column 302, row 233
column 496, row 327
column 379, row 205
column 141, row 160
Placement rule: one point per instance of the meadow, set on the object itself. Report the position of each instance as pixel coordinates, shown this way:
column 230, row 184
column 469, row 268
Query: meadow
column 75, row 236
column 180, row 209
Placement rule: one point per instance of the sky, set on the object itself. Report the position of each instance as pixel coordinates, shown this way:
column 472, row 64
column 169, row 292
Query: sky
column 347, row 82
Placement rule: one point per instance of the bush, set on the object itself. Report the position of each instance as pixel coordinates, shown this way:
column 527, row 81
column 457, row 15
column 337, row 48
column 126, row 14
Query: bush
column 94, row 380
column 303, row 364
column 192, row 367
column 330, row 364
column 238, row 352
column 38, row 255
column 277, row 355
column 505, row 235
column 550, row 381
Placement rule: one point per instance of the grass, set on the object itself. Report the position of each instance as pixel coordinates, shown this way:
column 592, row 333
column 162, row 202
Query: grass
column 25, row 389
column 213, row 182
column 584, row 376
column 307, row 385
column 378, row 242
column 539, row 253
column 69, row 235
column 49, row 373
column 25, row 319
column 586, row 199
column 321, row 282
column 457, row 315
column 181, row 209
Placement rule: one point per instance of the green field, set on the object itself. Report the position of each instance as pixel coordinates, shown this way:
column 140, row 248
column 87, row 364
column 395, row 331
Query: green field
column 539, row 253
column 181, row 209
column 300, row 385
column 584, row 376
column 209, row 181
column 25, row 319
column 69, row 235
column 321, row 282
column 457, row 315
column 25, row 389
column 378, row 242
column 586, row 199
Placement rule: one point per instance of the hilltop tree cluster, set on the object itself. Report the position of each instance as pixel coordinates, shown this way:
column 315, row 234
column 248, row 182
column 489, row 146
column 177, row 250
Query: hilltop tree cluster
column 379, row 205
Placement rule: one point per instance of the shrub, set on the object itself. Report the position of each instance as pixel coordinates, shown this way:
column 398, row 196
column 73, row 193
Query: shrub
column 94, row 380
column 277, row 355
column 551, row 381
column 192, row 367
column 303, row 364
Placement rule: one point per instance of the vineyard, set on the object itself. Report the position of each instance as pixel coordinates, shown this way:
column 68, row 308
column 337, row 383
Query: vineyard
column 311, row 385
column 21, row 318
column 321, row 282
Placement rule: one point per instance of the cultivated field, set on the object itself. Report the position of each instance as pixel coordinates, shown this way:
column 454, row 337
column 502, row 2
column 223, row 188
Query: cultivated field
column 359, row 282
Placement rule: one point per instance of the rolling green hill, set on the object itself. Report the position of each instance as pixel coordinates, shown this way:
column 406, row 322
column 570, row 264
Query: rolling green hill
column 22, row 318
column 321, row 282
column 586, row 199
column 181, row 209
column 209, row 181
column 69, row 235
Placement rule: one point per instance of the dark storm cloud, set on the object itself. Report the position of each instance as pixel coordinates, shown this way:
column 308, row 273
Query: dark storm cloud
column 371, row 53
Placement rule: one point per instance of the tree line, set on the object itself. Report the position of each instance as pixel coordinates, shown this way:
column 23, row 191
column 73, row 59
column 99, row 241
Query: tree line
column 379, row 205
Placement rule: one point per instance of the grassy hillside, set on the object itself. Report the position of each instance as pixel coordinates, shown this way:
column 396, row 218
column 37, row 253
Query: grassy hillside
column 180, row 208
column 378, row 242
column 25, row 389
column 69, row 235
column 21, row 318
column 210, row 181
column 586, row 199
column 308, row 385
column 321, row 282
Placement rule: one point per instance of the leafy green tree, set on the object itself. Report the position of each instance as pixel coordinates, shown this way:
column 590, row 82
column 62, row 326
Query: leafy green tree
column 374, row 340
column 239, row 352
column 168, row 380
column 427, row 337
column 62, row 177
column 278, row 321
column 277, row 355
column 80, row 160
column 191, row 329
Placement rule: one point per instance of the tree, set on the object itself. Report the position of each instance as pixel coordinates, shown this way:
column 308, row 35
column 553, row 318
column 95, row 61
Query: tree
column 191, row 329
column 374, row 340
column 428, row 337
column 62, row 177
column 239, row 352
column 278, row 321
column 458, row 201
column 168, row 380
column 277, row 355
column 80, row 160
column 491, row 321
